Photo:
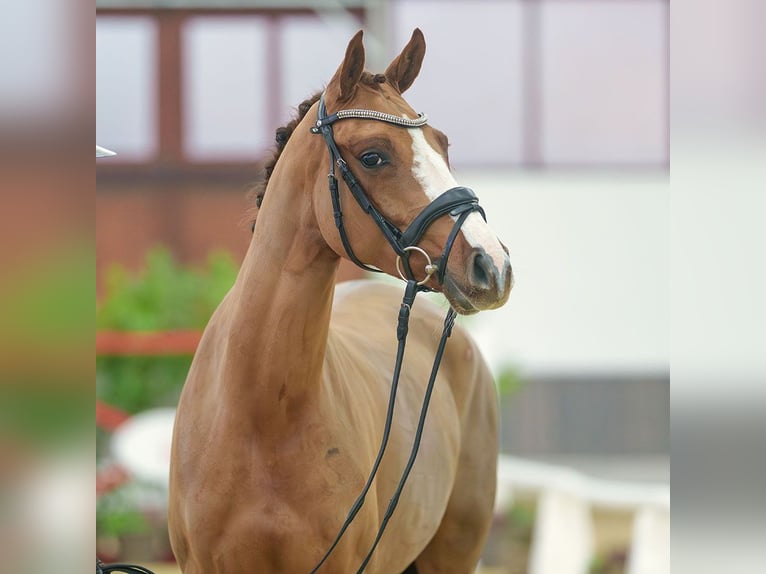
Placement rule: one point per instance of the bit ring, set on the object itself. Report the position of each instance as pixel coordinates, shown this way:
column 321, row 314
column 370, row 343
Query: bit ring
column 430, row 268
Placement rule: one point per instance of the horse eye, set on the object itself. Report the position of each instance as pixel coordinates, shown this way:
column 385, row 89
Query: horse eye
column 372, row 159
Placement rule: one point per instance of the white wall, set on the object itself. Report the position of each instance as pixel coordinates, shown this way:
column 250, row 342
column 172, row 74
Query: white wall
column 562, row 83
column 590, row 257
column 580, row 82
column 126, row 85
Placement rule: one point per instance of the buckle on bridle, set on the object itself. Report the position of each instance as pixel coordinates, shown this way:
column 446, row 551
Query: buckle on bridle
column 430, row 267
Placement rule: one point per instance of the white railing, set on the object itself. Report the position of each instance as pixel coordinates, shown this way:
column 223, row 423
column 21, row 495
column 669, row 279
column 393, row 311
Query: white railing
column 563, row 537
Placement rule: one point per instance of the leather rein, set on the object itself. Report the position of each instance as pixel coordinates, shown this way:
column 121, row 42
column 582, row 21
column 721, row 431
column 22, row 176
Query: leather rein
column 459, row 202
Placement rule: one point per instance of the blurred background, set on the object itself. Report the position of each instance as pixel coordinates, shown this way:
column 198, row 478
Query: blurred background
column 558, row 117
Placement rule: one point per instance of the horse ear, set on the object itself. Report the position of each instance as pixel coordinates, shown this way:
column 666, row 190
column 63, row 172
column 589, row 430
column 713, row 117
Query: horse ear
column 406, row 66
column 349, row 72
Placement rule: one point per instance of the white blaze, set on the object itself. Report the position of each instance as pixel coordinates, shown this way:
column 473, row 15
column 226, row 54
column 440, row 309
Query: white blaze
column 431, row 172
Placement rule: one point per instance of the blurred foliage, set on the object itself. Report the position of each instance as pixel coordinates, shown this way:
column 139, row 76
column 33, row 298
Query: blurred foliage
column 46, row 300
column 164, row 296
column 117, row 515
column 509, row 543
column 46, row 342
column 519, row 531
column 44, row 415
column 521, row 519
column 612, row 563
column 508, row 381
column 135, row 384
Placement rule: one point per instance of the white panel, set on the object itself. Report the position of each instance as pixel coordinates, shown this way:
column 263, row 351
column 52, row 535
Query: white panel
column 604, row 88
column 470, row 83
column 225, row 83
column 590, row 256
column 562, row 542
column 126, row 89
column 312, row 49
column 650, row 542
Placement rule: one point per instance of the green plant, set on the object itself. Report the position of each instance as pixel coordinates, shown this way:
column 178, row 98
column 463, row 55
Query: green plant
column 164, row 296
column 45, row 333
column 508, row 382
column 118, row 522
column 117, row 513
column 521, row 518
column 613, row 562
column 509, row 543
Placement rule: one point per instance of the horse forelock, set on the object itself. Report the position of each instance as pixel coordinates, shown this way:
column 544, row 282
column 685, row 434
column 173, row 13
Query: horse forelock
column 282, row 136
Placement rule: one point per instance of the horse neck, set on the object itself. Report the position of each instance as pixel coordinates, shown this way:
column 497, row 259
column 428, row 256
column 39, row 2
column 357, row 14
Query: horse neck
column 281, row 301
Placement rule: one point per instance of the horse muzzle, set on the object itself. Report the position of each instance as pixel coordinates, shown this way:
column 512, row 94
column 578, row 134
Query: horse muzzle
column 483, row 284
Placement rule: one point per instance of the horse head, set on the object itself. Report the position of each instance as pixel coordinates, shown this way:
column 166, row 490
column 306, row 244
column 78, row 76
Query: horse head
column 399, row 163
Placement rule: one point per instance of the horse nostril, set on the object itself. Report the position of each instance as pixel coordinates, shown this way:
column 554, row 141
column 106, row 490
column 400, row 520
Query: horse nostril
column 482, row 270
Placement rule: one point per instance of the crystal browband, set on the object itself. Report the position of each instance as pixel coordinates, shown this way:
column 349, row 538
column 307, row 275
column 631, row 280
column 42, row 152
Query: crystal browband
column 421, row 120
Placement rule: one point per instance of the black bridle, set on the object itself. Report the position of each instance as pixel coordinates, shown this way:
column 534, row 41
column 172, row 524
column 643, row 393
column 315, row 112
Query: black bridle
column 459, row 202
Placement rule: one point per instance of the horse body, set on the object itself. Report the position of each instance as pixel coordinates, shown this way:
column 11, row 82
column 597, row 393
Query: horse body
column 283, row 409
column 276, row 499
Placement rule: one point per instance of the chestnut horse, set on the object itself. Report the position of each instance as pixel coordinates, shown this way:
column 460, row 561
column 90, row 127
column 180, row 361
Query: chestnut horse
column 283, row 410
